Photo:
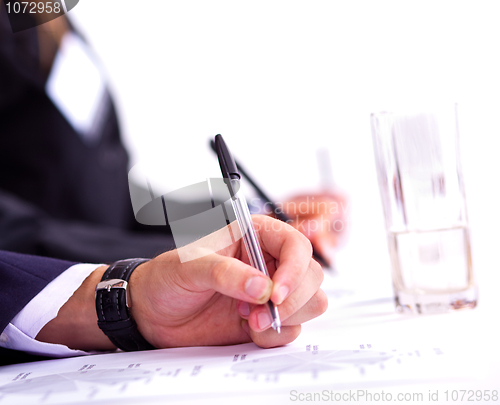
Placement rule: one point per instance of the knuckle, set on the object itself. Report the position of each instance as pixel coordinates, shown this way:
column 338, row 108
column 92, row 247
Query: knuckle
column 289, row 306
column 307, row 243
column 321, row 301
column 220, row 272
column 317, row 270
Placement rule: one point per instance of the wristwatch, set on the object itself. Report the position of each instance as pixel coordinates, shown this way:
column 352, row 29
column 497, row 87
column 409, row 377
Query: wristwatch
column 113, row 315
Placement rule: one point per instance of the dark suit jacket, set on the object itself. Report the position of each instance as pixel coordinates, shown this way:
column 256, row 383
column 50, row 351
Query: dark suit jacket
column 21, row 278
column 59, row 195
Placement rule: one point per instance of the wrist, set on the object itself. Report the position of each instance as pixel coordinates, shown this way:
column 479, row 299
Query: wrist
column 113, row 309
column 150, row 295
column 140, row 286
column 75, row 325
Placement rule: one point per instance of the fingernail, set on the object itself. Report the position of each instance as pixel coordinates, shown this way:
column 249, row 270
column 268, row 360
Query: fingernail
column 257, row 287
column 264, row 320
column 282, row 294
column 244, row 308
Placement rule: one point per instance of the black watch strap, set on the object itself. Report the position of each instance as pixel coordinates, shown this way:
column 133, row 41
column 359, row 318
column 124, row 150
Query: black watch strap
column 113, row 316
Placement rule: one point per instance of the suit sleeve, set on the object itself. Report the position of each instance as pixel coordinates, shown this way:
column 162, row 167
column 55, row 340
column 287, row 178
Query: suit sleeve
column 22, row 277
column 20, row 334
column 17, row 340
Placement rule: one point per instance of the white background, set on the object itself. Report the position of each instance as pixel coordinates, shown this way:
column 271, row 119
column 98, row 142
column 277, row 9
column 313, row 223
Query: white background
column 281, row 79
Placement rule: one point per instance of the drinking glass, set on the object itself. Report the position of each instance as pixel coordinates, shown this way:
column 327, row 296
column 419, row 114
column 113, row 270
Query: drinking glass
column 420, row 181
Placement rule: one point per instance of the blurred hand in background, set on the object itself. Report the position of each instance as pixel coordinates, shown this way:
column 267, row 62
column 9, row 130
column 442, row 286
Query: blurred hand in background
column 322, row 217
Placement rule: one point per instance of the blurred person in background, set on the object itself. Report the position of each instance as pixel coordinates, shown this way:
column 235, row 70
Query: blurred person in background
column 63, row 186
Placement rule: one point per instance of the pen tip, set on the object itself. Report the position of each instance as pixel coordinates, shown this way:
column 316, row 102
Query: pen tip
column 278, row 329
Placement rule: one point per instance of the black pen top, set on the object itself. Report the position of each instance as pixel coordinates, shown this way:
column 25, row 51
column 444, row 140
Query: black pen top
column 226, row 161
column 231, row 172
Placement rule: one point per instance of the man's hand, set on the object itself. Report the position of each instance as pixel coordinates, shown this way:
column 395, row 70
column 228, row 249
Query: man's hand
column 217, row 299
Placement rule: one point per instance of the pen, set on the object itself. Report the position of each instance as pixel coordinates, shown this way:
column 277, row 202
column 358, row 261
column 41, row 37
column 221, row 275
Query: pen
column 232, row 178
column 279, row 213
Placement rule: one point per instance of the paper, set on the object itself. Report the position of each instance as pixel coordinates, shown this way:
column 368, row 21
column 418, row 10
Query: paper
column 359, row 347
column 238, row 370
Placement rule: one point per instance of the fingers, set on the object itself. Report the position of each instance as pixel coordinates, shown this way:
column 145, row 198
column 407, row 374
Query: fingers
column 311, row 280
column 303, row 295
column 292, row 311
column 317, row 305
column 291, row 327
column 303, row 304
column 228, row 276
column 297, row 280
column 270, row 338
column 293, row 250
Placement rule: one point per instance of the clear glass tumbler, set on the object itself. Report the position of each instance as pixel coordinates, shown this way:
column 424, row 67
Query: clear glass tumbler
column 420, row 181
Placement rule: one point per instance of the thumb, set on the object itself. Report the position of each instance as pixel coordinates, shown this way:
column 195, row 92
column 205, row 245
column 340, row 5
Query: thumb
column 228, row 276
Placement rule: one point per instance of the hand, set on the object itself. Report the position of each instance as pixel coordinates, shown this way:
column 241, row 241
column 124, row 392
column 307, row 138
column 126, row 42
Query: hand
column 218, row 299
column 320, row 217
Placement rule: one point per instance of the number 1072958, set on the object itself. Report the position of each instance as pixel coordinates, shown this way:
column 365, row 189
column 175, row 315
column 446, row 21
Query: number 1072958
column 39, row 7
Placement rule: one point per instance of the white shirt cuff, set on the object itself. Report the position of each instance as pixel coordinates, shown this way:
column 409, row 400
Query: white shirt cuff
column 21, row 332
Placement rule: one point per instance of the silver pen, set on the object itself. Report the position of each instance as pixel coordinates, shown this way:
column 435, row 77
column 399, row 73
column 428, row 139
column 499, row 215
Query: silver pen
column 232, row 178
